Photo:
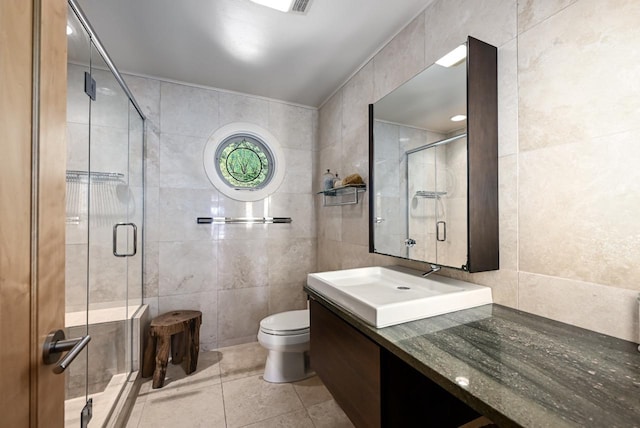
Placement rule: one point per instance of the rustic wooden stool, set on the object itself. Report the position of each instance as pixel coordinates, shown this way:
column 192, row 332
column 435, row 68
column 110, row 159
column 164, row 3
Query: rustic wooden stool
column 179, row 330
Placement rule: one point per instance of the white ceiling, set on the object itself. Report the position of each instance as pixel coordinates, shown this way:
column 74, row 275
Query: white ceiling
column 241, row 46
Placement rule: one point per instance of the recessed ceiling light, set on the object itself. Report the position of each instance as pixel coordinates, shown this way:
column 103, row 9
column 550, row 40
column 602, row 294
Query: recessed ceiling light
column 454, row 57
column 281, row 5
column 69, row 30
column 458, row 118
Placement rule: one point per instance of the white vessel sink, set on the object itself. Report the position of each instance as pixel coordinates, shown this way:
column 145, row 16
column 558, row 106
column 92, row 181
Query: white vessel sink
column 385, row 296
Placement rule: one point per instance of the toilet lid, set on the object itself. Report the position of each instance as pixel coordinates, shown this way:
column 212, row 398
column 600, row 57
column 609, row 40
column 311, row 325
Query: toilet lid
column 292, row 322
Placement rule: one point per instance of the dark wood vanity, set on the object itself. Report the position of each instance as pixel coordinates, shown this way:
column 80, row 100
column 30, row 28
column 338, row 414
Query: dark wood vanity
column 374, row 387
column 514, row 368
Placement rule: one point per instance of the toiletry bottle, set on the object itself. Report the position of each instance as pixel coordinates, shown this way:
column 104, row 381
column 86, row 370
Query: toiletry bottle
column 337, row 182
column 327, row 180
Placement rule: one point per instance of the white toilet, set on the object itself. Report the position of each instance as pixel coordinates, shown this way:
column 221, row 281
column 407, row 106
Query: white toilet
column 286, row 336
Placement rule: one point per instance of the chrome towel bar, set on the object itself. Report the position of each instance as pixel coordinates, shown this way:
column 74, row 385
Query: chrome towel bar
column 243, row 220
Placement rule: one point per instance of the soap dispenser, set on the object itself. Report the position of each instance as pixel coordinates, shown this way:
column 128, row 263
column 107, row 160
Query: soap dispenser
column 327, row 180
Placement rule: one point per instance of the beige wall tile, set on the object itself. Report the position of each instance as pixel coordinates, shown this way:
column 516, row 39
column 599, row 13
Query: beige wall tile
column 240, row 312
column 330, row 123
column 532, row 12
column 578, row 206
column 608, row 310
column 449, row 22
column 508, row 98
column 508, row 211
column 243, row 264
column 357, row 95
column 290, row 260
column 241, row 108
column 401, row 59
column 577, row 75
column 288, row 296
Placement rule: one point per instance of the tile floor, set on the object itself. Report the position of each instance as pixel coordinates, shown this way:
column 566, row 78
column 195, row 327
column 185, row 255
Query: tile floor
column 227, row 390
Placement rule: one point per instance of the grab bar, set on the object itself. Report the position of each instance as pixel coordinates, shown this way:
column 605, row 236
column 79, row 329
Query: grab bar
column 243, row 220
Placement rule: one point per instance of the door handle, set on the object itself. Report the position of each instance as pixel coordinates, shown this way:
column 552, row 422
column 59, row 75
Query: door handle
column 444, row 230
column 115, row 239
column 55, row 344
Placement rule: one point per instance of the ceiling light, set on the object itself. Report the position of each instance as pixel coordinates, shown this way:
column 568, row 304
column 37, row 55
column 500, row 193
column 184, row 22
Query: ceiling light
column 454, row 57
column 281, row 5
column 69, row 30
column 458, row 118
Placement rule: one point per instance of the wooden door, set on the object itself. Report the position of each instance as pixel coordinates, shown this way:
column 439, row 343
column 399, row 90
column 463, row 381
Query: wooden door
column 32, row 193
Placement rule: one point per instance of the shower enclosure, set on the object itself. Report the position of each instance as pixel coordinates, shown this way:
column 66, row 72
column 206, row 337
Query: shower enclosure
column 104, row 225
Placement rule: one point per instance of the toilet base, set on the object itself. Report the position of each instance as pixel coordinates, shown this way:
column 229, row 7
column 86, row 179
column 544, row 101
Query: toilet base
column 285, row 367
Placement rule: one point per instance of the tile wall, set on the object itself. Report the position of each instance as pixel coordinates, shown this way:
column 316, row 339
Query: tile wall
column 569, row 181
column 235, row 274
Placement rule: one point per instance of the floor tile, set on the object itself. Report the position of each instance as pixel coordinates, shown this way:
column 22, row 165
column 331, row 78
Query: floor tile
column 297, row 419
column 177, row 381
column 251, row 399
column 193, row 409
column 328, row 415
column 242, row 360
column 312, row 391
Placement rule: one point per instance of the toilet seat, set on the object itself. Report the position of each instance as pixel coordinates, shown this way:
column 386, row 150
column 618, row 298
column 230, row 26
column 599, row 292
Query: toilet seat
column 289, row 323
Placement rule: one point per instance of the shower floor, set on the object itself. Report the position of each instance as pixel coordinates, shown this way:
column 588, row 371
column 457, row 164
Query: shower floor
column 103, row 404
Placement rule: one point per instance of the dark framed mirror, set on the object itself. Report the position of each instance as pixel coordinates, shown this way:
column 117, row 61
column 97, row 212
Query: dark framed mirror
column 433, row 162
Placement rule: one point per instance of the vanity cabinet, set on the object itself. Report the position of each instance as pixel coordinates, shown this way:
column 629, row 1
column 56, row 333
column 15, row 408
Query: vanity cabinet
column 374, row 387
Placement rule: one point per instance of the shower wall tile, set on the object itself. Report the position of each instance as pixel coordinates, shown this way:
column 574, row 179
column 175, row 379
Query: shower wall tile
column 187, row 267
column 207, row 303
column 608, row 310
column 152, row 159
column 77, row 146
column 292, row 125
column 109, row 149
column 449, row 22
column 577, row 74
column 151, row 214
column 401, row 59
column 111, row 108
column 240, row 312
column 178, row 210
column 181, row 162
column 243, row 263
column 151, row 269
column 582, row 225
column 75, row 277
column 77, row 100
column 532, row 12
column 147, row 94
column 242, row 108
column 187, row 110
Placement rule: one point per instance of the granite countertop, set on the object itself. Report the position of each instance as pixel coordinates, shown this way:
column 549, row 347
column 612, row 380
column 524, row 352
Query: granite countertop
column 516, row 368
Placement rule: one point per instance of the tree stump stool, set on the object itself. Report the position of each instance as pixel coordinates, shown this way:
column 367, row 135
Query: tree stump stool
column 178, row 330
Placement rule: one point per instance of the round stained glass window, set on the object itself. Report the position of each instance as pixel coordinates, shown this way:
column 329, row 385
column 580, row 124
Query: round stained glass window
column 244, row 161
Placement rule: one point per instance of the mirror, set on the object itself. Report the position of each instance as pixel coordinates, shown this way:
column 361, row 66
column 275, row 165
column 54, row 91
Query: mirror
column 420, row 162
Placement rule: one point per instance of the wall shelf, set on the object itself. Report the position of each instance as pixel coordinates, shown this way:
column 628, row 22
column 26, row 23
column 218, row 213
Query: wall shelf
column 344, row 195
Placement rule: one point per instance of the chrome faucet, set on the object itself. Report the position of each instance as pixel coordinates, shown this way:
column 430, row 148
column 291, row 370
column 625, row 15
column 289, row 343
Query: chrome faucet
column 434, row 268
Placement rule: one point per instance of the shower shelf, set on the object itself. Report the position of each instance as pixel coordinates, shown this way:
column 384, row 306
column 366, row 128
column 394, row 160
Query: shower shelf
column 75, row 175
column 336, row 196
column 427, row 194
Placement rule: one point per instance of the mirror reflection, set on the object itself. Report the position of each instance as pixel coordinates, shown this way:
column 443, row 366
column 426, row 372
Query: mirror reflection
column 420, row 167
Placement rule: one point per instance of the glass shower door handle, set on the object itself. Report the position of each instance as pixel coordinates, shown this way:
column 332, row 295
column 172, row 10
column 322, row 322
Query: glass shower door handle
column 115, row 239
